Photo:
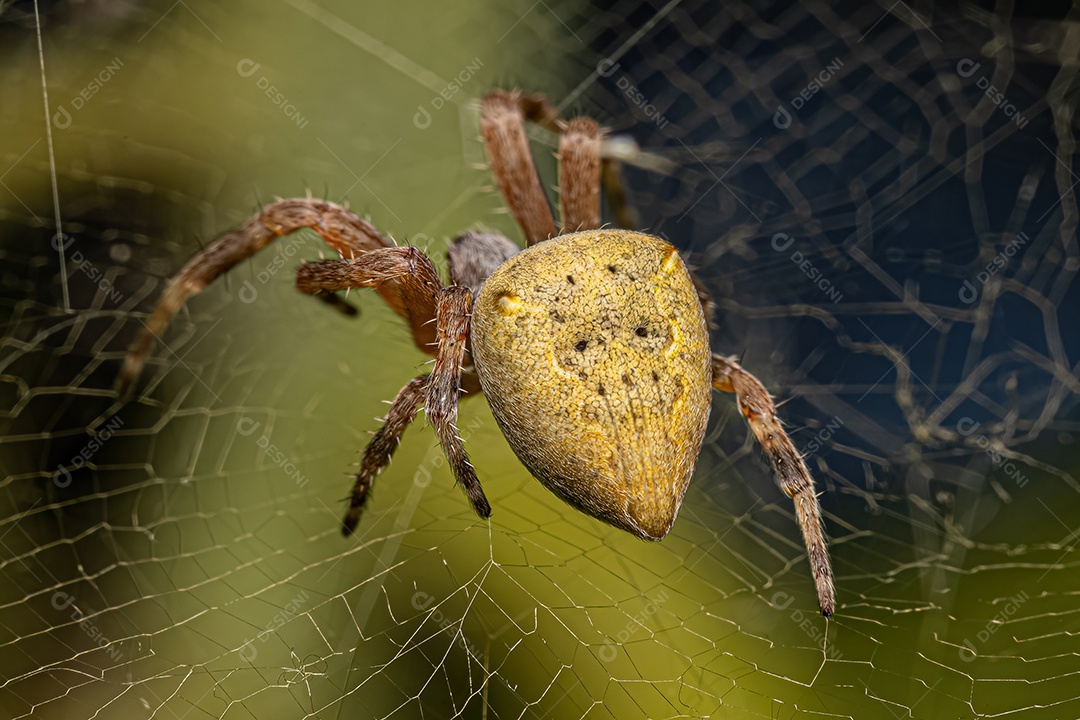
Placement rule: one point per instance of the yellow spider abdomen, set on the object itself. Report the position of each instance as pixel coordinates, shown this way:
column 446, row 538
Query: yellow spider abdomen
column 593, row 352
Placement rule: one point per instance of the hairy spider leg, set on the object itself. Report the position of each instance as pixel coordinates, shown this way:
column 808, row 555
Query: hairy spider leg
column 579, row 175
column 502, row 124
column 346, row 232
column 794, row 478
column 381, row 448
column 583, row 171
column 441, row 390
column 444, row 390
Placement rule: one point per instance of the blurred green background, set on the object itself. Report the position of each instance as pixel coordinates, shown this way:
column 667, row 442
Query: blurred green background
column 191, row 565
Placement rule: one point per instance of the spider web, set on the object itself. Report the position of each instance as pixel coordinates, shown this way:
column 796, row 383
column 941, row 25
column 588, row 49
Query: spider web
column 880, row 198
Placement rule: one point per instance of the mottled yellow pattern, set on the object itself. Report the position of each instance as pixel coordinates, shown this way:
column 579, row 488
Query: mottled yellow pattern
column 593, row 352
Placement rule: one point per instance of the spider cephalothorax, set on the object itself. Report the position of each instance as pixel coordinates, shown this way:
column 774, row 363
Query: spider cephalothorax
column 591, row 345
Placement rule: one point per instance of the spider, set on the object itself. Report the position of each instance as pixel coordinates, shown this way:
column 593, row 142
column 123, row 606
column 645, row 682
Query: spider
column 591, row 345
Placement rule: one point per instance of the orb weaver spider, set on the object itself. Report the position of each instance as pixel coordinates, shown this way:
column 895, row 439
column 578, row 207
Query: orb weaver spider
column 591, row 345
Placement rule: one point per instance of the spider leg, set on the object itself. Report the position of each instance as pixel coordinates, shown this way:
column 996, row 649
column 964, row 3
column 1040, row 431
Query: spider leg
column 440, row 390
column 405, row 270
column 349, row 234
column 502, row 123
column 791, row 472
column 381, row 449
column 579, row 175
column 584, row 168
column 412, row 273
column 444, row 386
column 538, row 110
